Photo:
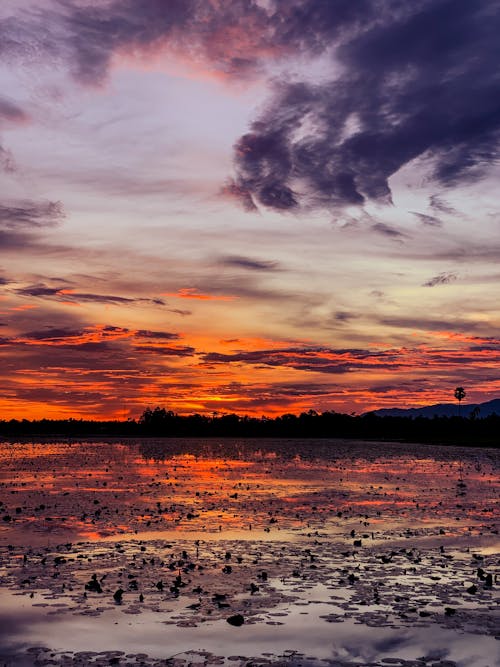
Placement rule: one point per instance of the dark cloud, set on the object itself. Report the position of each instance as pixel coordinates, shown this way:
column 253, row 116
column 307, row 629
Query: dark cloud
column 159, row 335
column 64, row 294
column 248, row 263
column 92, row 351
column 29, row 214
column 245, row 396
column 230, row 35
column 421, row 80
column 112, row 329
column 97, row 32
column 10, row 111
column 90, row 347
column 94, row 367
column 385, row 389
column 7, row 163
column 53, row 334
column 312, row 26
column 222, row 285
column 344, row 316
column 30, row 241
column 110, row 298
column 439, row 204
column 178, row 311
column 106, row 298
column 239, row 193
column 430, row 220
column 108, row 333
column 441, row 279
column 428, row 324
column 471, row 252
column 167, row 350
column 71, row 398
column 233, row 36
column 302, row 389
column 38, row 290
column 320, row 360
column 408, row 80
column 387, row 230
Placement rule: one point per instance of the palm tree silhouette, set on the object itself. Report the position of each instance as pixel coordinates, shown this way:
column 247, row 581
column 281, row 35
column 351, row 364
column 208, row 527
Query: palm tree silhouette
column 459, row 395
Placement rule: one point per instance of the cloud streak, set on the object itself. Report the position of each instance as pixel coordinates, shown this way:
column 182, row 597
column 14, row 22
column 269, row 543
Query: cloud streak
column 73, row 296
column 248, row 263
column 321, row 360
column 30, row 214
column 441, row 279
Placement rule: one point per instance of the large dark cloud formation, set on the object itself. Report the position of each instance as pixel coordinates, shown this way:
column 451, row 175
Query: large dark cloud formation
column 218, row 32
column 407, row 80
column 234, row 36
column 421, row 83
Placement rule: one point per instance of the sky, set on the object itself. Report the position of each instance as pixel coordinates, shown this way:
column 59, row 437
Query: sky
column 247, row 206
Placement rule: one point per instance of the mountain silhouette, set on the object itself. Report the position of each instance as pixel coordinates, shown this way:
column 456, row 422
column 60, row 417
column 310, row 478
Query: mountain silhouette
column 444, row 410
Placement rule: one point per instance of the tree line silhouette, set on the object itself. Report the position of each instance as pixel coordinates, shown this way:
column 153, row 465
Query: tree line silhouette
column 159, row 422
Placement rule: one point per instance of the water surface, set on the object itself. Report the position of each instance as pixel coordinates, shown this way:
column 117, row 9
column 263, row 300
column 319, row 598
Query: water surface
column 333, row 552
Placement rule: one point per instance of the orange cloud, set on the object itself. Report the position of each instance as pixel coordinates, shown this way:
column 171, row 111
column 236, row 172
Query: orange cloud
column 26, row 307
column 112, row 371
column 193, row 293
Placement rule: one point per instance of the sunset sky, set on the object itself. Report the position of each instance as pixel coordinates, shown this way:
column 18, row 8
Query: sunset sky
column 251, row 206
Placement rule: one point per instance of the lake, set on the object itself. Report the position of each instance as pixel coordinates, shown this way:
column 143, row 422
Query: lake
column 248, row 552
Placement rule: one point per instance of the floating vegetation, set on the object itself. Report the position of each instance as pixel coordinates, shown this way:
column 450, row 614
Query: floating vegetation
column 283, row 559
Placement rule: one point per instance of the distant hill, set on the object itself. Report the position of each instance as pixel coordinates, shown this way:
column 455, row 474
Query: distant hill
column 443, row 410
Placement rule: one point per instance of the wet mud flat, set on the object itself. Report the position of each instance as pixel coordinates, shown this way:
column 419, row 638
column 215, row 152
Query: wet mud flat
column 245, row 553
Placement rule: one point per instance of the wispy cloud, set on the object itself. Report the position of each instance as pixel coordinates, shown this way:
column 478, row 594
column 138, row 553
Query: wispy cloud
column 70, row 295
column 344, row 316
column 441, row 206
column 167, row 350
column 29, row 214
column 11, row 112
column 7, row 162
column 441, row 279
column 248, row 263
column 423, row 323
column 388, row 230
column 321, row 360
column 427, row 219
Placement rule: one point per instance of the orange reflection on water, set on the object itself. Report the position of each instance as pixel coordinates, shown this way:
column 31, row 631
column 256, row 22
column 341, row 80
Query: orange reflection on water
column 91, row 490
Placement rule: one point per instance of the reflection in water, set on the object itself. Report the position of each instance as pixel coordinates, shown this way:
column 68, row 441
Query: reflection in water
column 303, row 634
column 344, row 551
column 92, row 490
